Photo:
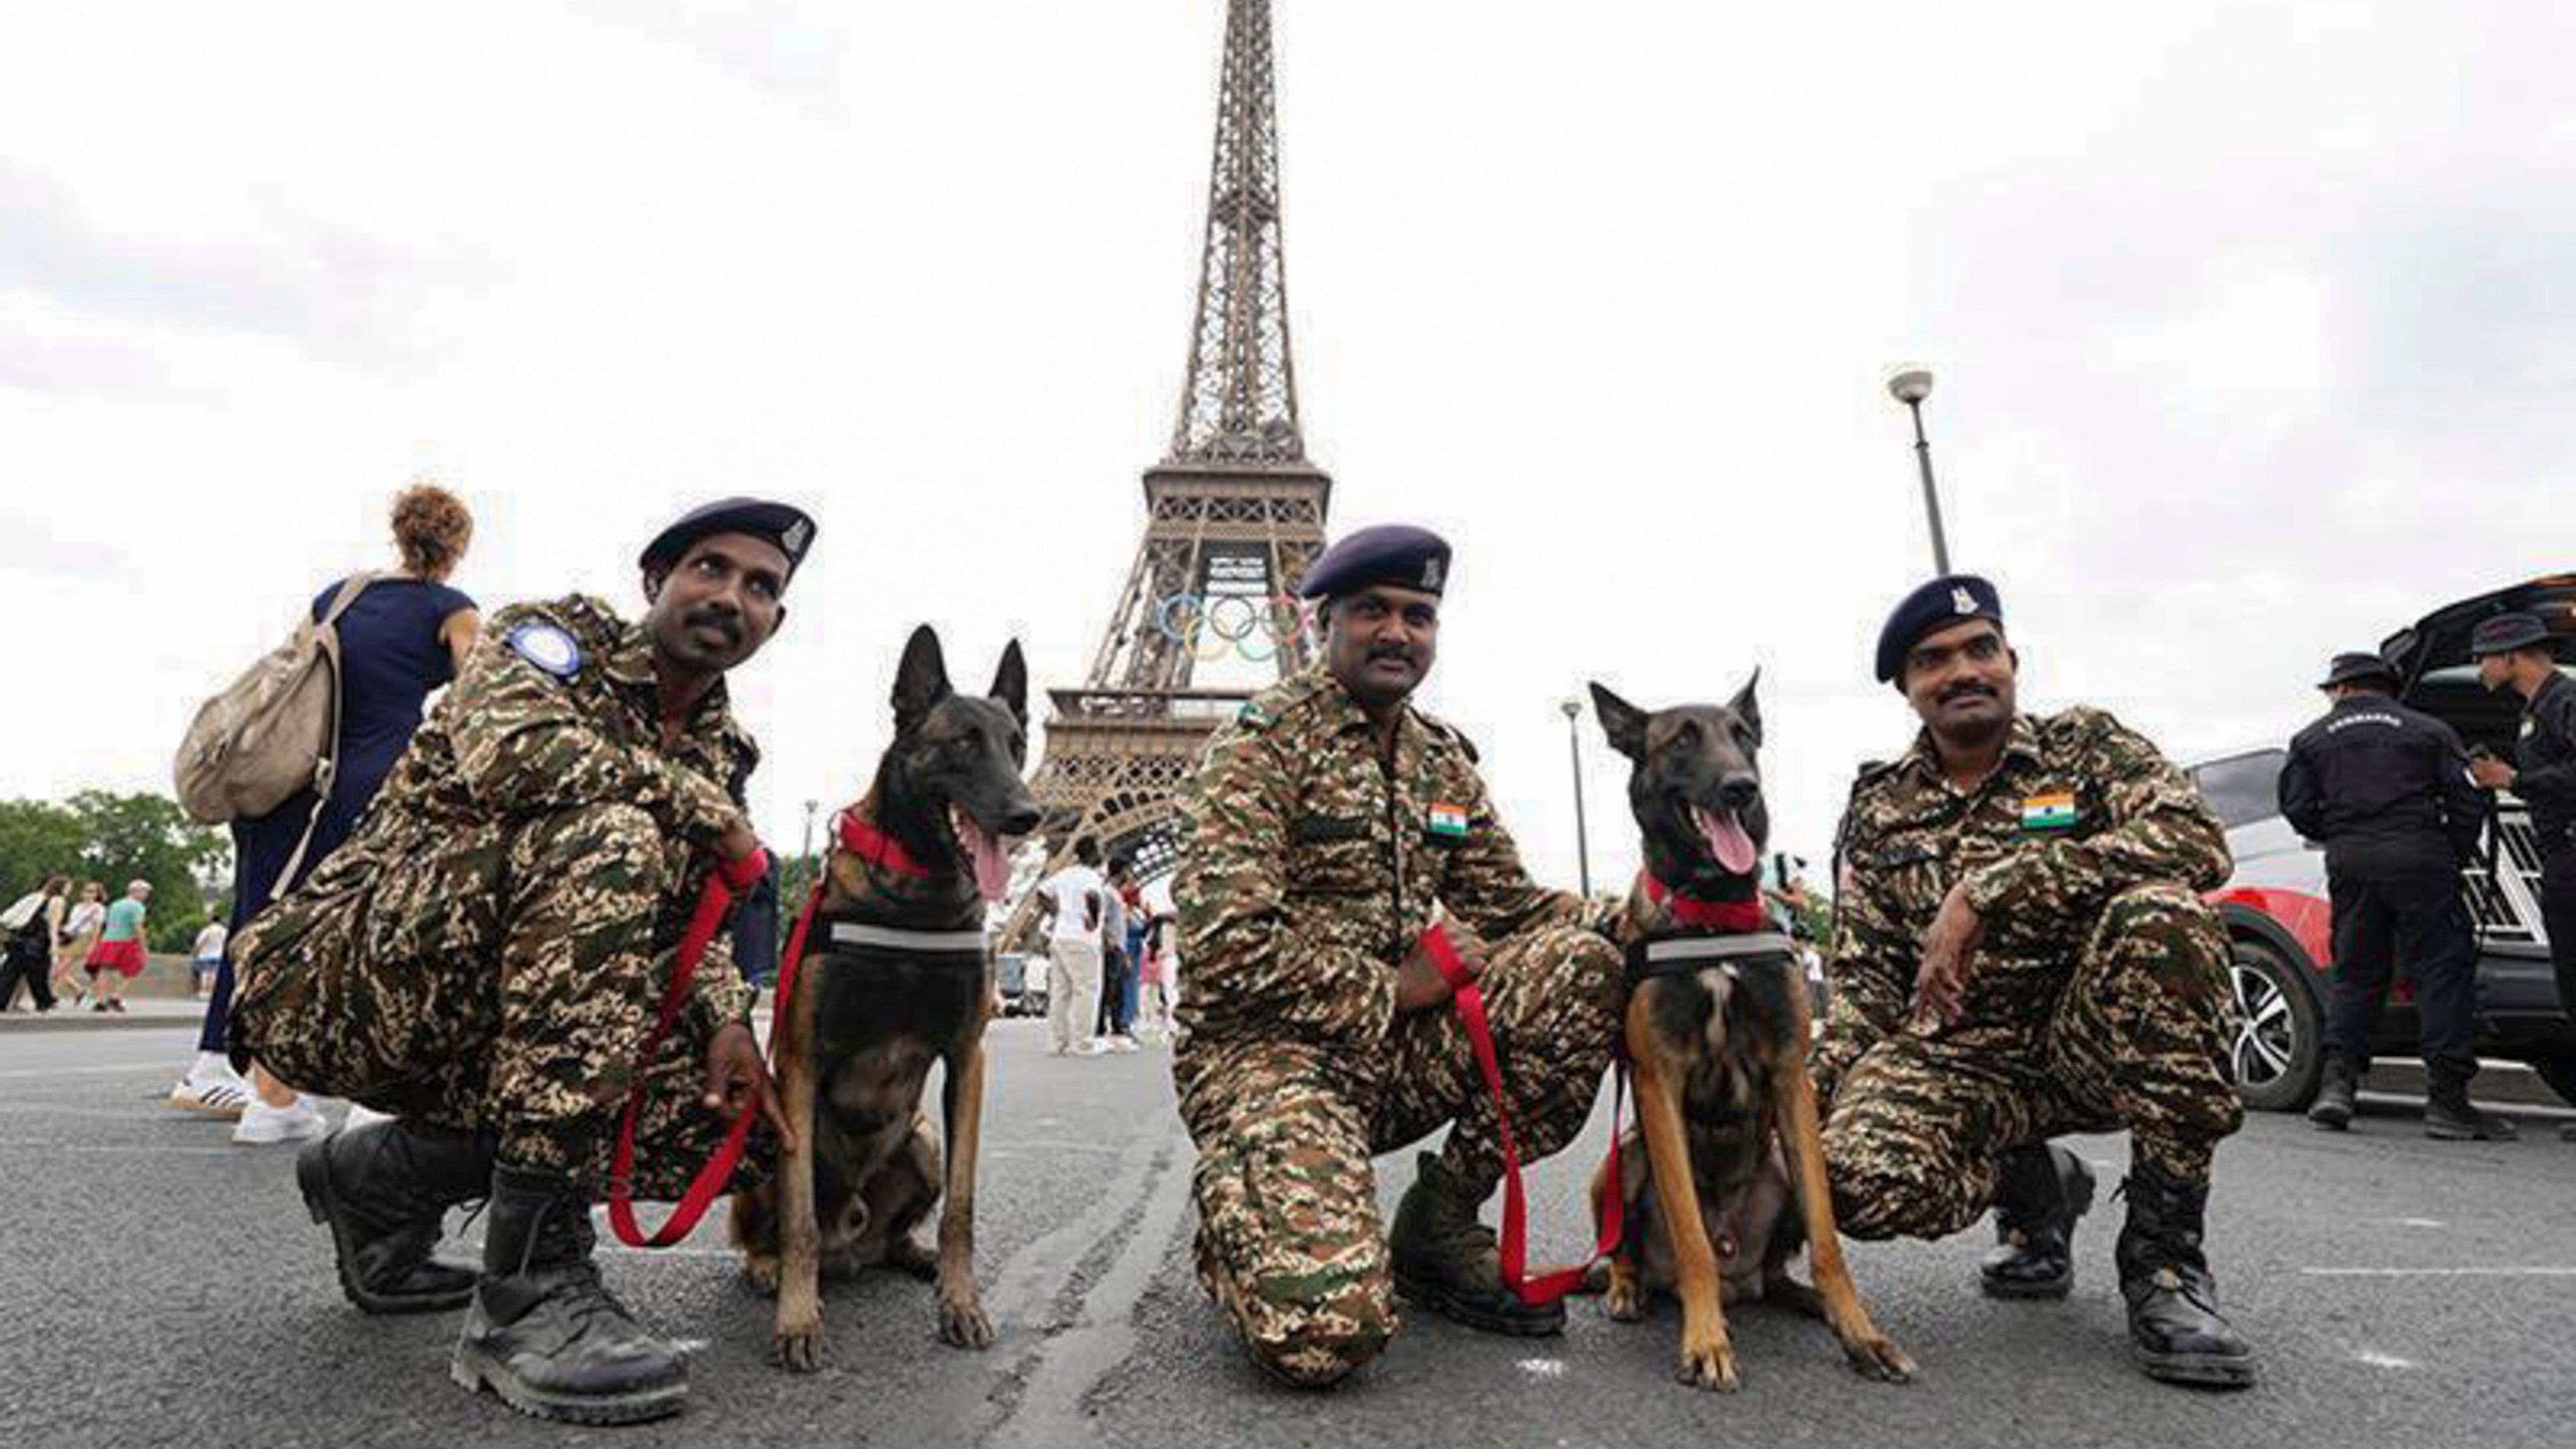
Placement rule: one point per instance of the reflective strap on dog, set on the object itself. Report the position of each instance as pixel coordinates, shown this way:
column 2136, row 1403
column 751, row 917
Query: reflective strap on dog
column 1469, row 1001
column 854, row 933
column 713, row 1178
column 1682, row 955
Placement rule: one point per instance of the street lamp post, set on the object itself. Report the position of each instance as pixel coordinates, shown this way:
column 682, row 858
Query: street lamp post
column 810, row 807
column 1574, row 751
column 1910, row 386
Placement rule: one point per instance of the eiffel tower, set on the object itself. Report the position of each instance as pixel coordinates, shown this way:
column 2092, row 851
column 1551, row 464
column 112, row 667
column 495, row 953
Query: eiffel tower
column 1234, row 513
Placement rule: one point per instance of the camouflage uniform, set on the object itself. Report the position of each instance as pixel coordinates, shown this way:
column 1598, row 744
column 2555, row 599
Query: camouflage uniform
column 2098, row 1000
column 1310, row 866
column 489, row 951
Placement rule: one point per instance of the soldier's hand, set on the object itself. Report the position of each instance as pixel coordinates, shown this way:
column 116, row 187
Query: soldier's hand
column 736, row 1076
column 1418, row 982
column 737, row 840
column 1949, row 948
column 2492, row 773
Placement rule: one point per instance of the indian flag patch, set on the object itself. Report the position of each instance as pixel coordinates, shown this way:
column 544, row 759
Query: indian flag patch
column 2049, row 812
column 1448, row 821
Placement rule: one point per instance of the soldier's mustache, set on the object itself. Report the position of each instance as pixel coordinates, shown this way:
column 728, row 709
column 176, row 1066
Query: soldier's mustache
column 716, row 618
column 1966, row 691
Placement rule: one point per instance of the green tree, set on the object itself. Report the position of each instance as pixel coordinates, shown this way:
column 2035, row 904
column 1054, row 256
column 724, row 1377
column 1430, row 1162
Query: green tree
column 148, row 837
column 37, row 839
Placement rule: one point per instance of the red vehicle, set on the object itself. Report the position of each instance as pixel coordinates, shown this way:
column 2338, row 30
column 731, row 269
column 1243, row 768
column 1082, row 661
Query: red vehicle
column 2275, row 903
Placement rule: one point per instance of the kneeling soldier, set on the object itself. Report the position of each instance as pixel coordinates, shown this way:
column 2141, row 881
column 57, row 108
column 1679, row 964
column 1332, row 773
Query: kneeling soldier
column 485, row 960
column 1330, row 826
column 2022, row 952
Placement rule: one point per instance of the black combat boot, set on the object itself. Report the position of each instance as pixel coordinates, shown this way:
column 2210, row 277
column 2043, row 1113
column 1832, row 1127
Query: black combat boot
column 2175, row 1331
column 543, row 1332
column 382, row 1190
column 2044, row 1190
column 1445, row 1260
column 2332, row 1110
column 2449, row 1115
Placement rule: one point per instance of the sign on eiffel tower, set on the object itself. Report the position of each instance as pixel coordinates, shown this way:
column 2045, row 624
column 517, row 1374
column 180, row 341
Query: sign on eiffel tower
column 1232, row 517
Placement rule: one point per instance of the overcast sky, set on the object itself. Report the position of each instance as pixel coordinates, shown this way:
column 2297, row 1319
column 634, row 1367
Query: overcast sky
column 2252, row 324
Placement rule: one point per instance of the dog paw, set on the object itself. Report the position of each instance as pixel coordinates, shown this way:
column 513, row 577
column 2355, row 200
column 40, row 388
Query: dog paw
column 1709, row 1366
column 962, row 1324
column 762, row 1274
column 1625, row 1299
column 1877, row 1358
column 798, row 1347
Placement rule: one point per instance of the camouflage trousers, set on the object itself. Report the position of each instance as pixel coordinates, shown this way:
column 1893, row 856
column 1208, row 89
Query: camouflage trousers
column 502, row 979
column 2138, row 1041
column 1289, row 1243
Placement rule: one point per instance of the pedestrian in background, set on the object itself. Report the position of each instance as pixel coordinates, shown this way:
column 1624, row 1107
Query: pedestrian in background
column 2387, row 790
column 29, row 932
column 404, row 635
column 1073, row 901
column 207, row 956
column 87, row 917
column 118, row 957
column 1117, row 965
column 1158, row 990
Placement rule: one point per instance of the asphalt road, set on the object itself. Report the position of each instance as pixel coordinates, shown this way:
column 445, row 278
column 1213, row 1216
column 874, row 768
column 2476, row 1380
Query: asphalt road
column 164, row 1287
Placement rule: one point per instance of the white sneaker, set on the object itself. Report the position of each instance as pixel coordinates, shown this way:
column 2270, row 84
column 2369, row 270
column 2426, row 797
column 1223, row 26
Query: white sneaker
column 1123, row 1043
column 217, row 1094
column 1089, row 1049
column 262, row 1123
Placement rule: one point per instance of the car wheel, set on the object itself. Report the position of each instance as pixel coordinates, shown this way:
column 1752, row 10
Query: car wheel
column 2279, row 1054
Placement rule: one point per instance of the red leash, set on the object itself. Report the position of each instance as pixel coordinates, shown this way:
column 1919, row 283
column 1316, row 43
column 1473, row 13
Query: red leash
column 712, row 1179
column 1547, row 1287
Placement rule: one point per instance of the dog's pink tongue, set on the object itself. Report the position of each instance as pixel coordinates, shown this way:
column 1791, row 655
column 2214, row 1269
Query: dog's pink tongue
column 1726, row 839
column 992, row 857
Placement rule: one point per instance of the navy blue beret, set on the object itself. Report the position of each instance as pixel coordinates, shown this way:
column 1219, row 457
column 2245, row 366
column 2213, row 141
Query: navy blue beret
column 2505, row 633
column 2347, row 668
column 1391, row 553
column 782, row 525
column 1945, row 601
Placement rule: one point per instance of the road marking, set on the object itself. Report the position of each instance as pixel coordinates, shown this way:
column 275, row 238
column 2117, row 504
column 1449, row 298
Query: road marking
column 2376, row 1359
column 1542, row 1368
column 2497, row 1272
column 156, row 1064
column 2417, row 1222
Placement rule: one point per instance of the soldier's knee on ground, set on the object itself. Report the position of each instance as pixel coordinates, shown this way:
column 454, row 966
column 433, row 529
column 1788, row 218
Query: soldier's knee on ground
column 2170, row 922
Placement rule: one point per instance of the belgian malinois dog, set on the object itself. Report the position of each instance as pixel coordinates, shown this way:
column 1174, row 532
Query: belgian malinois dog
column 895, row 977
column 1716, row 1029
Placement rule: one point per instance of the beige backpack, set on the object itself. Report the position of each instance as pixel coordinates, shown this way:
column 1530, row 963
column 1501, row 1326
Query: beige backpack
column 274, row 731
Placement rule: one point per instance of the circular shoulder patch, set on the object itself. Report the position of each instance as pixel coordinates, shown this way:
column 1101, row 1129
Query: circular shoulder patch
column 548, row 647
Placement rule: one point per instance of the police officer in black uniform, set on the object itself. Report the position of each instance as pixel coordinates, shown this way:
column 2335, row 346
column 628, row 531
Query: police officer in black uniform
column 2514, row 653
column 2387, row 789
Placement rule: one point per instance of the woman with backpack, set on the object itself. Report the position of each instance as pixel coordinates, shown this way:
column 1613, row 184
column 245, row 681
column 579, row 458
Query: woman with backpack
column 29, row 930
column 402, row 636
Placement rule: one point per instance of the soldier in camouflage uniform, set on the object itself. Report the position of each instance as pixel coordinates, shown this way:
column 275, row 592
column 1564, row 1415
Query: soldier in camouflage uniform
column 487, row 956
column 1329, row 827
column 2022, row 952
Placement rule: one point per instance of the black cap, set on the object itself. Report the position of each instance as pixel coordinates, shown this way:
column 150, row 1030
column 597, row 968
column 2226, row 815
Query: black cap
column 780, row 524
column 2348, row 668
column 1947, row 600
column 1390, row 553
column 2505, row 633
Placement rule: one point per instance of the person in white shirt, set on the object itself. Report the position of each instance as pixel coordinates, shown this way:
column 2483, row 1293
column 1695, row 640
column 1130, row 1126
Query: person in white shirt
column 1073, row 902
column 209, row 956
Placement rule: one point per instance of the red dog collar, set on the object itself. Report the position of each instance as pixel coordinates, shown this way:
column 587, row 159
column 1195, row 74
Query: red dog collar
column 864, row 840
column 1734, row 917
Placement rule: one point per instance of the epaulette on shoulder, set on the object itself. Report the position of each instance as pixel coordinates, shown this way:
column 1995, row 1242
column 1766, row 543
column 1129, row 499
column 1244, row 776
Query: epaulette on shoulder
column 1442, row 729
column 1870, row 773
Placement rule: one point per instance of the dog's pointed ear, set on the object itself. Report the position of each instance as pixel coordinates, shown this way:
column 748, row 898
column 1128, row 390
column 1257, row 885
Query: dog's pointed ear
column 1745, row 708
column 920, row 682
column 1011, row 683
column 1623, row 722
